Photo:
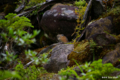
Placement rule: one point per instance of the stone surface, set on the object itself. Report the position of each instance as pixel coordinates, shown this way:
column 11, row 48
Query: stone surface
column 103, row 39
column 99, row 26
column 113, row 56
column 60, row 19
column 58, row 59
column 100, row 31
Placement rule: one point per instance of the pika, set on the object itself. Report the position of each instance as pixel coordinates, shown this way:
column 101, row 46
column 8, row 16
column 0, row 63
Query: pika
column 61, row 38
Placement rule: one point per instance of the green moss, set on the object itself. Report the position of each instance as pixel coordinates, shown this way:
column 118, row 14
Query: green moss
column 80, row 53
column 80, row 3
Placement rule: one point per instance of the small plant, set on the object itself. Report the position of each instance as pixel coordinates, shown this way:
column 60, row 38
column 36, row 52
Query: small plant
column 79, row 21
column 5, row 75
column 30, row 73
column 12, row 30
column 80, row 3
column 9, row 57
column 97, row 70
column 42, row 59
column 67, row 73
column 94, row 71
column 92, row 48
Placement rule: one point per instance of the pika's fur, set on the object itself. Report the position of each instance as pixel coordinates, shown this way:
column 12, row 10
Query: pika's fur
column 62, row 38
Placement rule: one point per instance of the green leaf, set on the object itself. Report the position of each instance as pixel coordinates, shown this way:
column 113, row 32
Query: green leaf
column 8, row 74
column 10, row 33
column 35, row 32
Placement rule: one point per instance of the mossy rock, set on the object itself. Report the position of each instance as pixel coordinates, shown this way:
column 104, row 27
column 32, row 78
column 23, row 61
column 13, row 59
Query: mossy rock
column 113, row 56
column 99, row 26
column 115, row 14
column 81, row 53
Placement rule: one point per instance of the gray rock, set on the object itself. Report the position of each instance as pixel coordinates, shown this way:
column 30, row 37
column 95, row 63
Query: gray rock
column 100, row 26
column 113, row 56
column 100, row 31
column 58, row 59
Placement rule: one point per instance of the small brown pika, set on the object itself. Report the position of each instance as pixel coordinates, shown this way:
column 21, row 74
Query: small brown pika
column 62, row 38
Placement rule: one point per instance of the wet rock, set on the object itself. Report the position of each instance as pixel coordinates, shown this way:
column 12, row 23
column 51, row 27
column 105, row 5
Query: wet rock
column 58, row 59
column 100, row 31
column 60, row 19
column 113, row 56
column 102, row 39
column 99, row 26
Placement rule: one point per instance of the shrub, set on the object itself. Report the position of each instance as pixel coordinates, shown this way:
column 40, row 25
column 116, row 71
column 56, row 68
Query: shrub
column 13, row 34
column 12, row 31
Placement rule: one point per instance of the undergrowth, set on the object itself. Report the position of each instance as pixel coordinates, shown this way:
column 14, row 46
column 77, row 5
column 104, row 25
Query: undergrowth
column 15, row 35
column 90, row 71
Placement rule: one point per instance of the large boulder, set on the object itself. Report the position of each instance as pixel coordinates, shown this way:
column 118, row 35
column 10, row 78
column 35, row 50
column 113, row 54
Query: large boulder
column 99, row 26
column 60, row 19
column 100, row 31
column 58, row 58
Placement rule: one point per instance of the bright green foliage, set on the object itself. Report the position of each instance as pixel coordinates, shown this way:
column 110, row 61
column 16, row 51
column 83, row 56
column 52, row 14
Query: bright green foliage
column 4, row 75
column 34, row 3
column 94, row 71
column 9, row 57
column 66, row 73
column 12, row 30
column 30, row 73
column 42, row 59
column 16, row 22
column 80, row 3
column 97, row 70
